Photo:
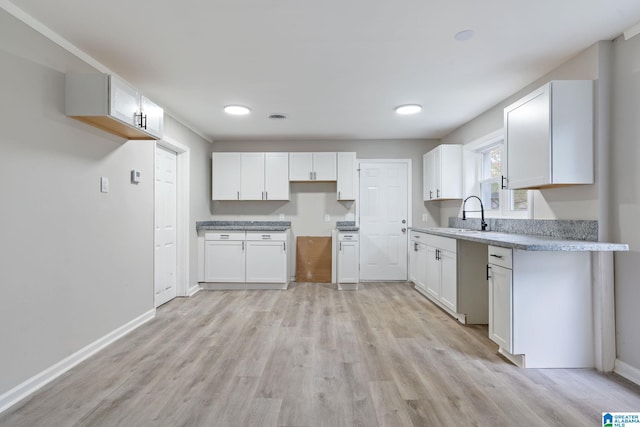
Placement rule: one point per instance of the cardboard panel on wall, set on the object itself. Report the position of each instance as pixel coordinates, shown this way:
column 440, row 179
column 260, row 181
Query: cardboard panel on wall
column 313, row 259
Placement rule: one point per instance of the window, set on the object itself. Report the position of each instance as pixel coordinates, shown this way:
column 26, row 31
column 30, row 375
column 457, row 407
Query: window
column 498, row 202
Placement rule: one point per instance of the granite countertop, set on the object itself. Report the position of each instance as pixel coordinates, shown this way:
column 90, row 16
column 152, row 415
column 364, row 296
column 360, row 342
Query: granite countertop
column 525, row 242
column 244, row 225
column 346, row 226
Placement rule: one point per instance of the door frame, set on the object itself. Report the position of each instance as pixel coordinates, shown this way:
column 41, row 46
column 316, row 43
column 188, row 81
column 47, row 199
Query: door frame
column 182, row 215
column 408, row 162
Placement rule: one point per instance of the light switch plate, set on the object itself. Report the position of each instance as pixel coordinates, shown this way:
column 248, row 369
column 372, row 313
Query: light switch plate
column 104, row 184
column 135, row 176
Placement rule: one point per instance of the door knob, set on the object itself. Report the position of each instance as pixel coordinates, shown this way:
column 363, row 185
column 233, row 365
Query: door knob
column 404, row 230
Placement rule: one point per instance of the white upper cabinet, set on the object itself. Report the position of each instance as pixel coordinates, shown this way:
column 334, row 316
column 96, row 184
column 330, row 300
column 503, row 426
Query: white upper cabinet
column 225, row 176
column 347, row 183
column 549, row 136
column 109, row 103
column 313, row 166
column 442, row 173
column 250, row 176
column 276, row 176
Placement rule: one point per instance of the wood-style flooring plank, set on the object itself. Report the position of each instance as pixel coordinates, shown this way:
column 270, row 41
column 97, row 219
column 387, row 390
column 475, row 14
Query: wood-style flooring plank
column 315, row 356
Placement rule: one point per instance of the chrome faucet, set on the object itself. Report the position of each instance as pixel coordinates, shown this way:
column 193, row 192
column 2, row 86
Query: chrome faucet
column 483, row 224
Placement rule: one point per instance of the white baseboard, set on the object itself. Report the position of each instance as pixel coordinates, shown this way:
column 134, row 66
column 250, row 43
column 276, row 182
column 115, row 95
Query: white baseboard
column 627, row 371
column 193, row 290
column 39, row 380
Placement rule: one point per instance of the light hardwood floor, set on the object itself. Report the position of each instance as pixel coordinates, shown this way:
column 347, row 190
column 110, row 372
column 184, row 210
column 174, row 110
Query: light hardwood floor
column 315, row 356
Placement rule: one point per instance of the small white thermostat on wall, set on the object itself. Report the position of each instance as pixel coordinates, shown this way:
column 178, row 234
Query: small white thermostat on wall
column 135, row 176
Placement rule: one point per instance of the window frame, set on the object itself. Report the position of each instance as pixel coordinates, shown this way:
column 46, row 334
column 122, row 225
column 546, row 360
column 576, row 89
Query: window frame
column 478, row 149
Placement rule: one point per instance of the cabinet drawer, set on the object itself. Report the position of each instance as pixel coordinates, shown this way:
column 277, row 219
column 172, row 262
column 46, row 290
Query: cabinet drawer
column 262, row 235
column 500, row 256
column 221, row 235
column 417, row 236
column 443, row 243
column 346, row 237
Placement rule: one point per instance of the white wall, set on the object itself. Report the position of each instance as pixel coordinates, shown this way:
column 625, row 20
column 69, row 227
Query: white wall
column 625, row 203
column 576, row 202
column 75, row 263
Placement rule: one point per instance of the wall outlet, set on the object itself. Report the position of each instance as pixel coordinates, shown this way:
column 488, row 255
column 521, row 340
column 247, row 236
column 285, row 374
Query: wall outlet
column 281, row 217
column 349, row 217
column 327, row 218
column 424, row 217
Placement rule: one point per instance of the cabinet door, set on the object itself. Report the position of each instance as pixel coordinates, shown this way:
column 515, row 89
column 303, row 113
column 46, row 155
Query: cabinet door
column 347, row 173
column 432, row 273
column 154, row 114
column 124, row 101
column 500, row 307
column 527, row 137
column 276, row 176
column 225, row 176
column 224, row 261
column 348, row 259
column 324, row 166
column 449, row 169
column 428, row 176
column 437, row 173
column 414, row 260
column 300, row 166
column 252, row 176
column 448, row 280
column 266, row 262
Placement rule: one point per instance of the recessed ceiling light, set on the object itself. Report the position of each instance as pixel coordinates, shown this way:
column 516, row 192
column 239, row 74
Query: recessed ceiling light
column 464, row 35
column 237, row 110
column 408, row 109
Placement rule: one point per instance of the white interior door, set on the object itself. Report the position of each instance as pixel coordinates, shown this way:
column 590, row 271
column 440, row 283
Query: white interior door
column 384, row 220
column 165, row 260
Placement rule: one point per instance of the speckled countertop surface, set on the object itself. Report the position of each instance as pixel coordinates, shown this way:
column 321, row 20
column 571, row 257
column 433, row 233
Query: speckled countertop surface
column 244, row 225
column 346, row 226
column 525, row 242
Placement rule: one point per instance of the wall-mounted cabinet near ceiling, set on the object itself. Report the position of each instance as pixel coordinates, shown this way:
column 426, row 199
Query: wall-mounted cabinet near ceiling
column 250, row 176
column 549, row 136
column 109, row 103
column 312, row 166
column 347, row 185
column 442, row 173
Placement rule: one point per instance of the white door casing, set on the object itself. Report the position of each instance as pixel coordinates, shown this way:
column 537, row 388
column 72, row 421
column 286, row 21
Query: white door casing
column 384, row 219
column 165, row 260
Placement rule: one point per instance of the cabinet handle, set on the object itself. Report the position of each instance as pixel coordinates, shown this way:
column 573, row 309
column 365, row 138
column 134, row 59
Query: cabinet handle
column 488, row 268
column 503, row 179
column 142, row 120
column 338, row 195
column 224, row 236
column 437, row 254
column 266, row 237
column 284, row 246
column 437, row 193
column 496, row 256
column 311, row 176
column 238, row 194
column 430, row 194
column 266, row 195
column 243, row 246
column 340, row 247
column 262, row 196
column 415, row 247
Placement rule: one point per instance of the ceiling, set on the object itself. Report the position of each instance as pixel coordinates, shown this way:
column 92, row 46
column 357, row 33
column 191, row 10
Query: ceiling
column 336, row 68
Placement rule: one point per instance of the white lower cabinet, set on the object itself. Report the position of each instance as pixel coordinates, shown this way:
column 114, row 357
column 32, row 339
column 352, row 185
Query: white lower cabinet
column 224, row 255
column 266, row 258
column 348, row 260
column 245, row 260
column 540, row 307
column 451, row 273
